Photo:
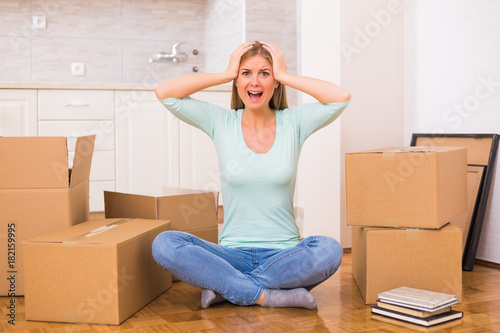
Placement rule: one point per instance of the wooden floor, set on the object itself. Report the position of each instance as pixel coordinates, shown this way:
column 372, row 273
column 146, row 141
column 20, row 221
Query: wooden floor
column 340, row 309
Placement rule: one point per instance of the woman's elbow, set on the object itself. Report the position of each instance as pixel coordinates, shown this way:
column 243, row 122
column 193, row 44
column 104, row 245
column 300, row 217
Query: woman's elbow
column 160, row 92
column 345, row 96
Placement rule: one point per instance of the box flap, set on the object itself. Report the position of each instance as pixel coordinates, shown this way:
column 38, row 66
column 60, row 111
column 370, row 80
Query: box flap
column 83, row 159
column 126, row 205
column 33, row 162
column 100, row 231
column 189, row 211
column 168, row 191
column 446, row 227
column 412, row 149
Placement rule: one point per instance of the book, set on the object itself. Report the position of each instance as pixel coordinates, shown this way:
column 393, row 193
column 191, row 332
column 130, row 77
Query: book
column 420, row 308
column 427, row 321
column 412, row 311
column 417, row 298
column 410, row 327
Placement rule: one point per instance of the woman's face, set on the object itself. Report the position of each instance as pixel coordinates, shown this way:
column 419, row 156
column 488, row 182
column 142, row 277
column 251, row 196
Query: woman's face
column 255, row 82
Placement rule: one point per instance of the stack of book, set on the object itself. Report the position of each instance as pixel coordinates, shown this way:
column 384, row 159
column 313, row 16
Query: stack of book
column 417, row 306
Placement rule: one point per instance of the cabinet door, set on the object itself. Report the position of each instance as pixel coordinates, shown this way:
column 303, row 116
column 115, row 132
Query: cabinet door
column 18, row 112
column 147, row 143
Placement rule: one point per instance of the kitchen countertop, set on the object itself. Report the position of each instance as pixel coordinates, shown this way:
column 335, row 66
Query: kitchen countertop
column 92, row 86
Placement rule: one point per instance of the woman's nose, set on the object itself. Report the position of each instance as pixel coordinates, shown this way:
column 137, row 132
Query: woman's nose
column 254, row 80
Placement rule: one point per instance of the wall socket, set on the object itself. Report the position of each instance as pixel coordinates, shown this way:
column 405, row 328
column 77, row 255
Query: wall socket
column 39, row 22
column 77, row 68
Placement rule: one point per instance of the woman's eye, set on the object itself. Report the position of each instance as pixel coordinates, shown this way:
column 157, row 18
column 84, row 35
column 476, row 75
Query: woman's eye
column 245, row 73
column 264, row 74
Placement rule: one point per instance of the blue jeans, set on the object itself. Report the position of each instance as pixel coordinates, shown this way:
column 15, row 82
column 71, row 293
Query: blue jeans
column 241, row 274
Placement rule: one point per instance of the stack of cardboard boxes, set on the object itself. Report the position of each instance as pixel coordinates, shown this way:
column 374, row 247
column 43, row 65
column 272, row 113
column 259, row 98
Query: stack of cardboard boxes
column 76, row 269
column 40, row 191
column 400, row 202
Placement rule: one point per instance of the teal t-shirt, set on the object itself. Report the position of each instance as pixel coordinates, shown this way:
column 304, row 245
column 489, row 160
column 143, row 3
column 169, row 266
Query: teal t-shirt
column 257, row 189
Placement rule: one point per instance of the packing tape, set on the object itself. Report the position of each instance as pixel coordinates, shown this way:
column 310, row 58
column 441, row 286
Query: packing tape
column 99, row 230
column 391, row 154
column 413, row 234
column 68, row 246
column 69, row 317
column 391, row 222
column 388, row 155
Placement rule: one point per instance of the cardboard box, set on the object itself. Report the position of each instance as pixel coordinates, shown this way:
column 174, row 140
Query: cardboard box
column 387, row 258
column 209, row 234
column 101, row 271
column 420, row 187
column 39, row 193
column 187, row 209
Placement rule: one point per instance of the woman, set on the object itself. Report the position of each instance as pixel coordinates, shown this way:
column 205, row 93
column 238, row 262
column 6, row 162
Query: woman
column 260, row 258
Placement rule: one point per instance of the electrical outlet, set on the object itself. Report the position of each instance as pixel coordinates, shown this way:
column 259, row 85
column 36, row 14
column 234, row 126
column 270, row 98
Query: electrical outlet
column 77, row 68
column 39, row 22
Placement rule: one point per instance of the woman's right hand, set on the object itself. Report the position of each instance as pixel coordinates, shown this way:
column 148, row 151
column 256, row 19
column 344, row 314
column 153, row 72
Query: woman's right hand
column 234, row 60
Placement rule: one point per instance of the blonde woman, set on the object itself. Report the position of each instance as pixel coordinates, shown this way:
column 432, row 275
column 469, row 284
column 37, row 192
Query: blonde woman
column 260, row 258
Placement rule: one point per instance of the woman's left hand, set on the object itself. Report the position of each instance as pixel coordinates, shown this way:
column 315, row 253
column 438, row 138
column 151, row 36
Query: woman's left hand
column 324, row 91
column 279, row 65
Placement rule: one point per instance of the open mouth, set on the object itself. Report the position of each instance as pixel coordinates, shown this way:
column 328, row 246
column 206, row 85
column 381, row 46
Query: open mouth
column 254, row 96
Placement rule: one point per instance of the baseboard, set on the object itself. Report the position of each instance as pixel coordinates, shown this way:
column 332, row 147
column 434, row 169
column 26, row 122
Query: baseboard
column 487, row 263
column 347, row 250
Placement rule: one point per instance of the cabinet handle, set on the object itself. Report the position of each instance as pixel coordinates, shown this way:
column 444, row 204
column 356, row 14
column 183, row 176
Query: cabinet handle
column 77, row 105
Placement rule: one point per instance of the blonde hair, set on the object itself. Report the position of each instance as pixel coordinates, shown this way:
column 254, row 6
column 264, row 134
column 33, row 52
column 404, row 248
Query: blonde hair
column 278, row 101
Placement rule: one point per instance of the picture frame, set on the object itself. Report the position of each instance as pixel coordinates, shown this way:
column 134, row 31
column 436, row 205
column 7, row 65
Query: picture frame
column 475, row 179
column 481, row 152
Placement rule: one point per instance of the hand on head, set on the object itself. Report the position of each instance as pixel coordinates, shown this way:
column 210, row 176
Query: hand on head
column 279, row 65
column 234, row 60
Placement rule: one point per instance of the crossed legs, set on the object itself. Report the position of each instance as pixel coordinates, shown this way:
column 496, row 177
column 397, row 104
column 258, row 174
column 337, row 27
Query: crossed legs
column 246, row 276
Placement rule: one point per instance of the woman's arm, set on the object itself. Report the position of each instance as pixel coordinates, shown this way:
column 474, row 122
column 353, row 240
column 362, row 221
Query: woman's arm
column 183, row 86
column 324, row 91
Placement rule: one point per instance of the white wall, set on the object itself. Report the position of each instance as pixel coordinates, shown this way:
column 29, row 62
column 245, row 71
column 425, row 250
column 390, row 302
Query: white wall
column 318, row 180
column 372, row 69
column 452, row 81
column 362, row 50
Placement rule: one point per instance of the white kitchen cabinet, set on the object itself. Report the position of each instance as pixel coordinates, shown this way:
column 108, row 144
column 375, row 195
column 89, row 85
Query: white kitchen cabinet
column 18, row 112
column 147, row 143
column 155, row 149
column 74, row 113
